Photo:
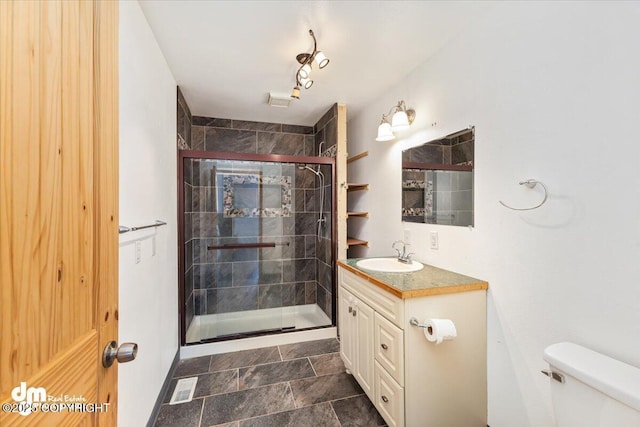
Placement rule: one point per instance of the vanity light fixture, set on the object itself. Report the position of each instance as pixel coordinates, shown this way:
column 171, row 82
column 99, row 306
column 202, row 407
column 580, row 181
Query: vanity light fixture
column 303, row 75
column 401, row 120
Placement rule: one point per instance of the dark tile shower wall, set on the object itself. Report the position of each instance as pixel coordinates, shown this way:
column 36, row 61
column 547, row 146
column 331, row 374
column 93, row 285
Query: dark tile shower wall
column 243, row 279
column 326, row 132
column 188, row 239
column 241, row 136
column 184, row 123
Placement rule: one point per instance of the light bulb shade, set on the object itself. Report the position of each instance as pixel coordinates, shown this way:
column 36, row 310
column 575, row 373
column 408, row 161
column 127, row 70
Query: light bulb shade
column 384, row 132
column 321, row 60
column 295, row 93
column 400, row 121
column 306, row 82
column 305, row 71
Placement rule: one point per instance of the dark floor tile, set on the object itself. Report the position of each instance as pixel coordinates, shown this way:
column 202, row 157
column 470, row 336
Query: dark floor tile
column 327, row 364
column 357, row 411
column 244, row 404
column 314, row 390
column 181, row 415
column 309, row 348
column 217, row 383
column 193, row 366
column 312, row 416
column 209, row 384
column 256, row 376
column 244, row 358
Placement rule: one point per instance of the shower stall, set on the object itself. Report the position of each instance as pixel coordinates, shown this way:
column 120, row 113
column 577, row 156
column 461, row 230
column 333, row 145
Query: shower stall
column 257, row 246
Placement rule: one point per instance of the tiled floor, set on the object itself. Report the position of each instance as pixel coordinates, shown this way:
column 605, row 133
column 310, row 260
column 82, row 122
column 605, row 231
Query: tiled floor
column 294, row 385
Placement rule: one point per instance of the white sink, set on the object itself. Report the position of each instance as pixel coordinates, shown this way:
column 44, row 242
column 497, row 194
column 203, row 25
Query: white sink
column 389, row 265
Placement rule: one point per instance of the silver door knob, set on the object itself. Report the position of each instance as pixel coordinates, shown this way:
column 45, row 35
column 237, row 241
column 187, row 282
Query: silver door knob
column 125, row 353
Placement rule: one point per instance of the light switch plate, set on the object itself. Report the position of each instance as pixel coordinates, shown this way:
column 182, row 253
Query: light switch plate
column 433, row 240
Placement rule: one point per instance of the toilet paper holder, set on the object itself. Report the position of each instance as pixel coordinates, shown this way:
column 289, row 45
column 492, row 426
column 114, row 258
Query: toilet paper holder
column 414, row 322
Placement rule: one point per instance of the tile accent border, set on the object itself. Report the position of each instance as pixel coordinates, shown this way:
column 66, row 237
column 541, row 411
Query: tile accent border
column 230, row 180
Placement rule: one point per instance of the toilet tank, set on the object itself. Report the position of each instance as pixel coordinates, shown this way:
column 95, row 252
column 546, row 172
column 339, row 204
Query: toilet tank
column 589, row 389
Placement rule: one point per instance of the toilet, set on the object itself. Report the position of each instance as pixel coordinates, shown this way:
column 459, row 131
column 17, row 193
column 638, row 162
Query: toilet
column 589, row 389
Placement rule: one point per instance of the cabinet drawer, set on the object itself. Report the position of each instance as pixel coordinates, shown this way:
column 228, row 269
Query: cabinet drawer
column 381, row 301
column 389, row 348
column 389, row 397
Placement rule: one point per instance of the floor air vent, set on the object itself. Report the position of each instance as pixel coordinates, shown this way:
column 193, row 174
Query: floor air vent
column 184, row 390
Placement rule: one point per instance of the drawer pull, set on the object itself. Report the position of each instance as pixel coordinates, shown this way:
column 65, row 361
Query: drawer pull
column 354, row 313
column 350, row 309
column 384, row 346
column 384, row 398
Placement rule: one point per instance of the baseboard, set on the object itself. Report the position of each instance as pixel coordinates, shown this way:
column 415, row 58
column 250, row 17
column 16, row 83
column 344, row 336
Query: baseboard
column 163, row 391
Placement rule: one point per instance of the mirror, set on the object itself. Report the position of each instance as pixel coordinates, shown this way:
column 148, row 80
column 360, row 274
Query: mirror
column 437, row 181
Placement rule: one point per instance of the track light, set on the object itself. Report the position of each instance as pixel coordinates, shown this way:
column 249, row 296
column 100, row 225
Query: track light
column 321, row 60
column 305, row 71
column 306, row 82
column 401, row 120
column 303, row 75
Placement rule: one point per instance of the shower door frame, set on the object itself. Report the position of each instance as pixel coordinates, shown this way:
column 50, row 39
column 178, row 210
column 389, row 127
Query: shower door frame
column 273, row 158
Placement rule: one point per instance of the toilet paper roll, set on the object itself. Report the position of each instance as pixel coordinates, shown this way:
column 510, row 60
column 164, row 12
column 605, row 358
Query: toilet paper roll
column 438, row 330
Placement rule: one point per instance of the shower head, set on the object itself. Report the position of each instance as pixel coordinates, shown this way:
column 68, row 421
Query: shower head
column 307, row 167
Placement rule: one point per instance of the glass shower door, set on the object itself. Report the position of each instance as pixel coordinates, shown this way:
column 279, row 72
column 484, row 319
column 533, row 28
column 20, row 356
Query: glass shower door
column 250, row 248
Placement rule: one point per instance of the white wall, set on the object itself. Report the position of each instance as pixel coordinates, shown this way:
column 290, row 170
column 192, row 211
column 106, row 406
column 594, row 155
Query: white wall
column 148, row 290
column 553, row 90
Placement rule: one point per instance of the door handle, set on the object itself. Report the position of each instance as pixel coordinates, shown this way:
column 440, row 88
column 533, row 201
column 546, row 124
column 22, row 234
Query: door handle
column 125, row 353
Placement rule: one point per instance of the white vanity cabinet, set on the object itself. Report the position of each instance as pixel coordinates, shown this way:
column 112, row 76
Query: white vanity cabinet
column 411, row 381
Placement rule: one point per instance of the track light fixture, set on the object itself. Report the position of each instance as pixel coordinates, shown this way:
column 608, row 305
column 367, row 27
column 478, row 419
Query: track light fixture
column 401, row 120
column 303, row 75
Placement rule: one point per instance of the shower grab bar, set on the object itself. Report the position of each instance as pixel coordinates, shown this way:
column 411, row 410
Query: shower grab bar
column 124, row 229
column 247, row 245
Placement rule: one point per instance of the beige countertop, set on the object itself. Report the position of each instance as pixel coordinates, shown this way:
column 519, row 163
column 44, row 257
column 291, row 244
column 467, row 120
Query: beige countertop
column 428, row 281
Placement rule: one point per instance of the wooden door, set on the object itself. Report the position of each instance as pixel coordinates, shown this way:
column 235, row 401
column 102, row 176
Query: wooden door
column 58, row 210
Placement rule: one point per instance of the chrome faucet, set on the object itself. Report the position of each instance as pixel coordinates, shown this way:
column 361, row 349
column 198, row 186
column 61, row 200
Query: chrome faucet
column 404, row 256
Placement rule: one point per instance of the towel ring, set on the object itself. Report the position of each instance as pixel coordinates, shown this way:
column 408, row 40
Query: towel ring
column 529, row 183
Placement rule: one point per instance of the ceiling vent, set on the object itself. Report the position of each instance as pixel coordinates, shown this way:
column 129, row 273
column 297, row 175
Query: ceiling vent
column 279, row 100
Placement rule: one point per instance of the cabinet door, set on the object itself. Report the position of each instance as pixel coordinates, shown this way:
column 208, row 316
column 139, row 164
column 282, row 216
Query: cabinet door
column 364, row 331
column 346, row 326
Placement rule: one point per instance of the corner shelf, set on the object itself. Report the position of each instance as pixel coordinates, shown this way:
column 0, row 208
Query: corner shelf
column 358, row 214
column 352, row 241
column 357, row 187
column 357, row 156
column 350, row 187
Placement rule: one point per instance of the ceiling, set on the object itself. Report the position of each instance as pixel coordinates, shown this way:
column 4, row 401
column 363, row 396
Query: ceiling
column 227, row 56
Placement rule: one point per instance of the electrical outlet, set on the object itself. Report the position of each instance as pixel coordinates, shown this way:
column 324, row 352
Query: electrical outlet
column 433, row 240
column 407, row 236
column 138, row 251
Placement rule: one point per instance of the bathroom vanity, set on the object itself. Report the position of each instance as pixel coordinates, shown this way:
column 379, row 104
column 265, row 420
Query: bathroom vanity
column 410, row 380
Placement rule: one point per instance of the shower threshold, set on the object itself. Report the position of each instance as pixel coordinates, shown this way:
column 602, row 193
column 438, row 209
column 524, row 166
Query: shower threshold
column 293, row 318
